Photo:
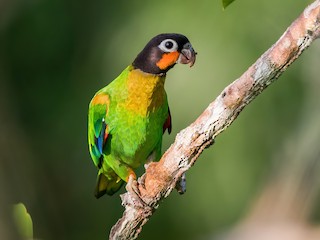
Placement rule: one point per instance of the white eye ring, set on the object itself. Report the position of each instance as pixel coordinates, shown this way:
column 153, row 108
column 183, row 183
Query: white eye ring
column 168, row 45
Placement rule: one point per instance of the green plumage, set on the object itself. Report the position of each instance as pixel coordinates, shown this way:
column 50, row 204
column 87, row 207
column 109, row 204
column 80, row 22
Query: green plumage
column 126, row 122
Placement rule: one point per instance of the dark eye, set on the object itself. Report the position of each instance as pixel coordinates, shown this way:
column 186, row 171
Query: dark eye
column 168, row 45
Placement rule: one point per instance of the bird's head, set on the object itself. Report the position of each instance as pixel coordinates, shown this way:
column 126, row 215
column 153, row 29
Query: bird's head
column 163, row 51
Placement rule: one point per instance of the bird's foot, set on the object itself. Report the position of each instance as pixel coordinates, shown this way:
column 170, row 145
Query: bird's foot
column 150, row 160
column 133, row 189
column 146, row 165
column 181, row 185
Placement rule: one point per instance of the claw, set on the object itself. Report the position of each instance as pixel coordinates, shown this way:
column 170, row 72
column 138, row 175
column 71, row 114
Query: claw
column 150, row 160
column 181, row 185
column 133, row 189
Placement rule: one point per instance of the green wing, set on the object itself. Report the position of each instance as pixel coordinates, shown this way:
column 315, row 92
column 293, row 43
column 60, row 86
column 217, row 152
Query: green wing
column 97, row 127
column 107, row 180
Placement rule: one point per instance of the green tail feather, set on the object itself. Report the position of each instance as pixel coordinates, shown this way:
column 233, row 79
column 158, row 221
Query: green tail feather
column 107, row 186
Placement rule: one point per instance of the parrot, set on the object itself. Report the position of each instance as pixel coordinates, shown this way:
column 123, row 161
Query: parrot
column 128, row 117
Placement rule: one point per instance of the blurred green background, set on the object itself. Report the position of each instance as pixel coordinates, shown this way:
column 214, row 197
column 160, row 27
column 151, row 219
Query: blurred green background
column 55, row 54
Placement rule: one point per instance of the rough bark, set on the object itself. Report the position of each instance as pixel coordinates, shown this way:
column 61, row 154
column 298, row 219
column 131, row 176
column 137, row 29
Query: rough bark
column 161, row 177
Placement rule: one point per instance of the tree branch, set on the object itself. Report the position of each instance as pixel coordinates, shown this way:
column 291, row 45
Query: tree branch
column 161, row 177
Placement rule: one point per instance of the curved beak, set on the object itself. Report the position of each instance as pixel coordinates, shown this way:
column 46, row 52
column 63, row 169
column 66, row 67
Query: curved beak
column 187, row 55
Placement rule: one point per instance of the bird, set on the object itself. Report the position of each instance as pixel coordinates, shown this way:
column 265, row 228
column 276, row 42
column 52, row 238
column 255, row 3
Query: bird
column 128, row 117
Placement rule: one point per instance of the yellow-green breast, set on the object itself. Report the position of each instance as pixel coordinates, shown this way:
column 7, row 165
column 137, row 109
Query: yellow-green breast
column 137, row 117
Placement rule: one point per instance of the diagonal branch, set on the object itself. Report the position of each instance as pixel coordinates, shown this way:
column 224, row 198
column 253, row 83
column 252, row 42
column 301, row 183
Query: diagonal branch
column 161, row 177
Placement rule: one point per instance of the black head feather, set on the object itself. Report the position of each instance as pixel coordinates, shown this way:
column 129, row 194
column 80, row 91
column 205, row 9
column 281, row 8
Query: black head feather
column 147, row 59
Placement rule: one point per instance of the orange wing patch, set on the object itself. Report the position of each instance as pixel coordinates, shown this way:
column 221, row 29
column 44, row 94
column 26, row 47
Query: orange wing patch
column 168, row 59
column 100, row 99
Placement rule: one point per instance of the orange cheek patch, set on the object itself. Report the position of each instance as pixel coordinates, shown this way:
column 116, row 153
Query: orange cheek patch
column 168, row 59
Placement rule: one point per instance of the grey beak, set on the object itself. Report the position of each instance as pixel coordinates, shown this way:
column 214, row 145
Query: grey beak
column 187, row 55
